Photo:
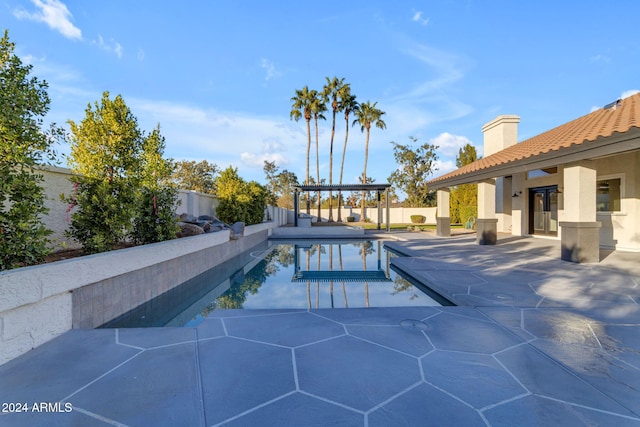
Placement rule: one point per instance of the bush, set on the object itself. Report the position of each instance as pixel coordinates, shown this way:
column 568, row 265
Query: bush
column 418, row 219
column 351, row 219
column 154, row 220
column 104, row 214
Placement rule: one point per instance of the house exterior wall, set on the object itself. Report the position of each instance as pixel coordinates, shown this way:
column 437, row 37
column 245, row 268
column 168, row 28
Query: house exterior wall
column 620, row 230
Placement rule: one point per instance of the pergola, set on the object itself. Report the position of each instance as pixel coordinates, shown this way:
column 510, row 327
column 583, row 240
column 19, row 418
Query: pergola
column 378, row 188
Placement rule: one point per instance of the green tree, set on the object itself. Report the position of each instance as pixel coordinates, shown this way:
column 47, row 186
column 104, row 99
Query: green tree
column 196, row 176
column 240, row 200
column 415, row 166
column 332, row 91
column 106, row 148
column 280, row 185
column 347, row 104
column 23, row 145
column 464, row 198
column 154, row 219
column 301, row 107
column 366, row 115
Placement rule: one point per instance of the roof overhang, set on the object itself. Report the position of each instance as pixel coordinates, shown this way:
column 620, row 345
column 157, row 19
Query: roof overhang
column 618, row 143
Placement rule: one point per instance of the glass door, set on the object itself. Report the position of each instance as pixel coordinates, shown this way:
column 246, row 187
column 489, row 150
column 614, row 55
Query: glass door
column 543, row 211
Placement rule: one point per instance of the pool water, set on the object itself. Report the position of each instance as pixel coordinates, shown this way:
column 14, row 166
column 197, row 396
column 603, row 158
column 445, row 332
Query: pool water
column 286, row 275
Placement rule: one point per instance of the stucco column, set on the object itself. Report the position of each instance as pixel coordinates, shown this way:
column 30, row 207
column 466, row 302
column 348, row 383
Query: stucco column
column 580, row 235
column 443, row 218
column 518, row 215
column 487, row 223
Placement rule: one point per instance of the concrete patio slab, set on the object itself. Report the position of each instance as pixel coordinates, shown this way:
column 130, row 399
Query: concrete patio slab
column 534, row 341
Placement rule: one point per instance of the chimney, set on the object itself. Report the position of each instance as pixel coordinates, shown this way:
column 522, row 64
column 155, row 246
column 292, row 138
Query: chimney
column 500, row 133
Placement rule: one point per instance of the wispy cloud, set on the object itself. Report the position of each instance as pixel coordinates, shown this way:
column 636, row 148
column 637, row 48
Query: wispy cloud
column 269, row 69
column 428, row 101
column 111, row 46
column 417, row 17
column 600, row 58
column 628, row 93
column 225, row 138
column 55, row 14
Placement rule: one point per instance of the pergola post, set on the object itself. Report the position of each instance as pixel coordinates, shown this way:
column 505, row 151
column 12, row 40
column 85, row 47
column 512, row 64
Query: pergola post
column 295, row 206
column 386, row 197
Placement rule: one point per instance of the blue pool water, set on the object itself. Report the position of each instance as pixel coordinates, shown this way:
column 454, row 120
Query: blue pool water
column 300, row 275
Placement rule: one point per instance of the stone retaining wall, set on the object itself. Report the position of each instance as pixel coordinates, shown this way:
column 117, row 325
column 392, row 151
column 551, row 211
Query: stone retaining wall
column 40, row 302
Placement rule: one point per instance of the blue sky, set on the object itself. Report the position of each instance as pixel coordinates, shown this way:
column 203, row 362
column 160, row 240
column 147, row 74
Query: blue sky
column 218, row 75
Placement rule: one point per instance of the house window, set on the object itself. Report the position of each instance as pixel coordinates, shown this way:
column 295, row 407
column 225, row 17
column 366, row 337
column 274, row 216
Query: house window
column 608, row 195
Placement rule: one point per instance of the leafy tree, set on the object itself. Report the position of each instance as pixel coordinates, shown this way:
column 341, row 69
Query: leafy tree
column 366, row 115
column 271, row 170
column 347, row 104
column 240, row 200
column 464, row 198
column 106, row 148
column 333, row 89
column 200, row 176
column 154, row 220
column 301, row 107
column 280, row 185
column 23, row 144
column 415, row 166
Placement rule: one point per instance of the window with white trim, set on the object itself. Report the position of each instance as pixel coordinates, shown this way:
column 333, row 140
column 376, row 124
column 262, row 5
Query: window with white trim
column 608, row 195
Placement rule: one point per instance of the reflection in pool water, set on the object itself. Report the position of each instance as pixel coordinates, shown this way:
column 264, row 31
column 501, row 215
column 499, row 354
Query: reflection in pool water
column 302, row 275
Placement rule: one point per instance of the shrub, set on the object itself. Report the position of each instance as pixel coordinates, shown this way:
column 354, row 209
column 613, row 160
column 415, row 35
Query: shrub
column 104, row 213
column 240, row 200
column 351, row 219
column 418, row 219
column 154, row 220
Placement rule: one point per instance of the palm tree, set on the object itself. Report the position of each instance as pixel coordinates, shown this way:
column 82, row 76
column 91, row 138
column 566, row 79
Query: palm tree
column 301, row 107
column 331, row 91
column 366, row 115
column 317, row 107
column 347, row 104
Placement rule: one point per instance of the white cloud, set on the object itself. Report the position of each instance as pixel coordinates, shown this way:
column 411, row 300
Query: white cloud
column 600, row 58
column 111, row 46
column 55, row 14
column 629, row 93
column 225, row 138
column 417, row 17
column 140, row 55
column 449, row 144
column 444, row 166
column 270, row 69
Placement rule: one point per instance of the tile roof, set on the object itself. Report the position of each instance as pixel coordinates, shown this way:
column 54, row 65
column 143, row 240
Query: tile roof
column 619, row 116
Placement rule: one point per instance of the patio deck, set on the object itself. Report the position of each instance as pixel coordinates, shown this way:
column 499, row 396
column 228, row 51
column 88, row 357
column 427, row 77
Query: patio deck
column 534, row 341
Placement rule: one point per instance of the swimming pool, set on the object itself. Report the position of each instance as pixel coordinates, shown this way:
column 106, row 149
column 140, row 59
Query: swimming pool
column 285, row 275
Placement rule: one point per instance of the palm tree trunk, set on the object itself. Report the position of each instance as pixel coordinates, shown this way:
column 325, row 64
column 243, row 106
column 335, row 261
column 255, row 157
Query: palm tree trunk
column 333, row 132
column 318, row 171
column 306, row 182
column 364, row 173
column 344, row 151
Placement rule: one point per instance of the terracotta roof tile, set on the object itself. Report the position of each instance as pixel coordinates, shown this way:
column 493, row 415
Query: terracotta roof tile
column 620, row 116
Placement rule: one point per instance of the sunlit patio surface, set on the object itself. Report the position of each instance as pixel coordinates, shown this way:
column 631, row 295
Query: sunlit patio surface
column 533, row 341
